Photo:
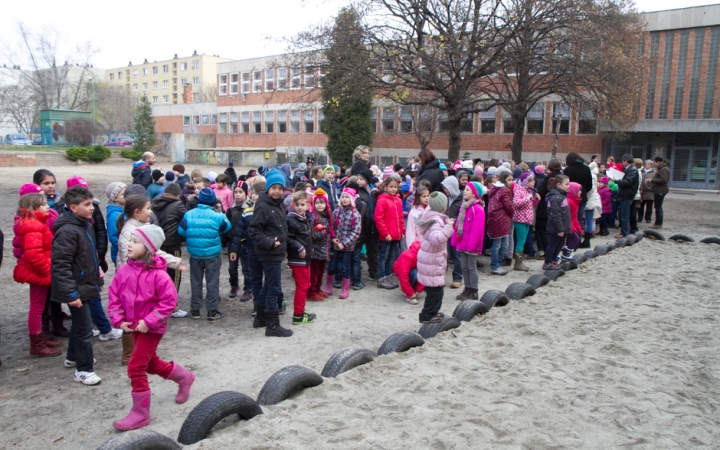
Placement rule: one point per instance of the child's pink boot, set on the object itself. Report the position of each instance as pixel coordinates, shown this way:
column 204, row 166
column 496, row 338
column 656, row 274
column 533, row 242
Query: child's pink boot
column 184, row 378
column 345, row 293
column 328, row 284
column 139, row 415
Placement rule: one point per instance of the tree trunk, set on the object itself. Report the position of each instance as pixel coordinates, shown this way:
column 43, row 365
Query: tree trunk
column 517, row 142
column 454, row 139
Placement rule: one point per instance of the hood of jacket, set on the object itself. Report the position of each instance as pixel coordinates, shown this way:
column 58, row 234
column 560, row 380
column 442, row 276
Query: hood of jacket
column 453, row 186
column 159, row 264
column 429, row 217
column 162, row 201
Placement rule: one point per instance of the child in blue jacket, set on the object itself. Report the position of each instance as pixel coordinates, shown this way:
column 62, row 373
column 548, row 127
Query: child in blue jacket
column 115, row 192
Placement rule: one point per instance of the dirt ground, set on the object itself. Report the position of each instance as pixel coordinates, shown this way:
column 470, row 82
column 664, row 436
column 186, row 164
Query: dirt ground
column 41, row 406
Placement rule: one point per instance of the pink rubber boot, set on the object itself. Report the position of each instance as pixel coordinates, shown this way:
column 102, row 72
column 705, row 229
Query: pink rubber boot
column 184, row 378
column 345, row 293
column 328, row 284
column 139, row 415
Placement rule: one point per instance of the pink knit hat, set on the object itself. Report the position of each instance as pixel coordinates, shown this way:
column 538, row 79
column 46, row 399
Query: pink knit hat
column 478, row 170
column 539, row 169
column 350, row 193
column 30, row 188
column 77, row 180
column 604, row 180
column 388, row 171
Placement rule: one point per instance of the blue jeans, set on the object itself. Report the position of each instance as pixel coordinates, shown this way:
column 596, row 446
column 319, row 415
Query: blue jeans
column 497, row 252
column 80, row 347
column 413, row 278
column 529, row 246
column 340, row 263
column 97, row 314
column 389, row 253
column 271, row 292
column 589, row 222
column 624, row 208
column 356, row 266
column 457, row 265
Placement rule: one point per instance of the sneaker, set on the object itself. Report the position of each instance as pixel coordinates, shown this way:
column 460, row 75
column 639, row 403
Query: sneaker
column 304, row 318
column 393, row 280
column 283, row 308
column 357, row 286
column 254, row 311
column 551, row 266
column 373, row 277
column 178, row 313
column 337, row 285
column 455, row 284
column 195, row 313
column 87, row 378
column 656, row 227
column 246, row 297
column 435, row 319
column 214, row 315
column 233, row 292
column 114, row 334
column 499, row 271
column 96, row 333
column 412, row 301
column 70, row 364
column 385, row 283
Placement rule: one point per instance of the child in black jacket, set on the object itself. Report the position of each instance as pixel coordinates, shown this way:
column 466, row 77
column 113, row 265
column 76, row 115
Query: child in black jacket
column 299, row 254
column 234, row 215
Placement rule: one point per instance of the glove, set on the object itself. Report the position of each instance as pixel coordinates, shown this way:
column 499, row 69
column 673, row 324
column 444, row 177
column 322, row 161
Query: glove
column 104, row 265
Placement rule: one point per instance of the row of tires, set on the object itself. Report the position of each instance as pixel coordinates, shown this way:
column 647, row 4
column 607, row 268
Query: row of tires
column 656, row 235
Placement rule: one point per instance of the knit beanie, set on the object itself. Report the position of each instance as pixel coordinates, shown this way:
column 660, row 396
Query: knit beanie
column 77, row 180
column 525, row 178
column 367, row 175
column 170, row 176
column 443, row 167
column 397, row 167
column 516, row 173
column 309, row 161
column 230, row 164
column 501, row 170
column 539, row 169
column 457, row 165
column 478, row 170
column 113, row 190
column 211, row 176
column 179, row 168
column 491, row 170
column 438, row 202
column 302, row 167
column 326, row 170
column 387, row 171
column 478, row 189
column 262, row 170
column 30, row 188
column 604, row 180
column 320, row 193
column 206, row 197
column 350, row 193
column 156, row 175
column 151, row 236
column 505, row 164
column 244, row 186
column 135, row 189
column 274, row 177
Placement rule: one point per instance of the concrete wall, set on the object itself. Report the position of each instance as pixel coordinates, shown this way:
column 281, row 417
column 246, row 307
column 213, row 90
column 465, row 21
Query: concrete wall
column 240, row 157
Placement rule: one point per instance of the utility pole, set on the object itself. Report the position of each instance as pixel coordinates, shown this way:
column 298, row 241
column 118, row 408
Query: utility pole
column 93, row 99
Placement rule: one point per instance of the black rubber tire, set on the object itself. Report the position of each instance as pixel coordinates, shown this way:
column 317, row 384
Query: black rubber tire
column 494, row 297
column 212, row 410
column 601, row 250
column 518, row 291
column 582, row 258
column 538, row 280
column 554, row 274
column 654, row 235
column 620, row 242
column 429, row 330
column 467, row 309
column 568, row 265
column 590, row 254
column 286, row 381
column 401, row 342
column 711, row 240
column 630, row 239
column 681, row 238
column 345, row 359
column 141, row 439
column 639, row 235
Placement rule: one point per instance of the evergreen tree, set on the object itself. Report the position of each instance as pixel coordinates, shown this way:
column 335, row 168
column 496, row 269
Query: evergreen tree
column 347, row 91
column 144, row 127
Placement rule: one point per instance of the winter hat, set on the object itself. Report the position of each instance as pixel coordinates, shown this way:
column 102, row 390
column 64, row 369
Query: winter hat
column 274, row 177
column 375, row 170
column 443, row 167
column 113, row 190
column 604, row 180
column 151, row 236
column 319, row 193
column 457, row 165
column 367, row 175
column 491, row 170
column 397, row 167
column 179, row 168
column 350, row 193
column 525, row 178
column 326, row 170
column 244, row 186
column 230, row 164
column 375, row 180
column 262, row 170
column 211, row 176
column 478, row 189
column 505, row 164
column 302, row 167
column 438, row 202
column 309, row 161
column 387, row 172
column 478, row 170
column 467, row 164
column 415, row 166
column 156, row 175
column 501, row 170
column 517, row 172
column 77, row 181
column 170, row 176
column 135, row 189
column 539, row 169
column 30, row 188
column 206, row 197
column 574, row 189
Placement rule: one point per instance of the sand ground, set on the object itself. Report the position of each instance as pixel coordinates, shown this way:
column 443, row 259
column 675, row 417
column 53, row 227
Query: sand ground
column 621, row 352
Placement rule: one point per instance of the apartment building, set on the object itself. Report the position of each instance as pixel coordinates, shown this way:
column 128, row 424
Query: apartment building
column 162, row 81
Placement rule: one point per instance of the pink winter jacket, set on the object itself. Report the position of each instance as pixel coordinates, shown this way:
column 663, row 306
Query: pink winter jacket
column 139, row 292
column 432, row 257
column 412, row 233
column 524, row 203
column 471, row 240
column 226, row 197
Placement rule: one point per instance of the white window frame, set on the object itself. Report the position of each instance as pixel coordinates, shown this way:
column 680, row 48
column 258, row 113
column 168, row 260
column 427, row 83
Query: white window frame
column 309, row 70
column 245, row 82
column 295, row 83
column 155, row 84
column 234, row 83
column 145, row 86
column 245, row 122
column 135, row 87
column 166, row 68
column 183, row 82
column 294, row 113
column 223, row 123
column 257, row 81
column 135, row 73
column 155, row 70
column 156, row 100
column 308, row 113
column 282, row 118
column 145, row 72
column 196, row 64
column 112, row 76
column 183, row 66
column 320, row 75
column 282, row 78
column 320, row 118
column 196, row 81
column 269, row 122
column 234, row 126
column 269, row 80
column 120, row 75
column 166, row 99
column 222, row 84
column 257, row 122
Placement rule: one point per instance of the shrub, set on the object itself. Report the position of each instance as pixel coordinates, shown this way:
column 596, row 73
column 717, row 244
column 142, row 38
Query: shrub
column 135, row 155
column 80, row 131
column 75, row 153
column 98, row 153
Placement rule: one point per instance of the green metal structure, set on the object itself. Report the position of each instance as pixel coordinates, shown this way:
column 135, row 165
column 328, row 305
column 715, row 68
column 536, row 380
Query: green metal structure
column 52, row 124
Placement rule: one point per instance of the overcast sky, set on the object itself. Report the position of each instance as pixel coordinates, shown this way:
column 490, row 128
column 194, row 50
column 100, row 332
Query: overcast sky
column 133, row 30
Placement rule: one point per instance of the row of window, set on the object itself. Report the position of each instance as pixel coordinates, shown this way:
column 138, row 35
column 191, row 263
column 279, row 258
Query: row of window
column 155, row 70
column 269, row 80
column 256, row 122
column 166, row 83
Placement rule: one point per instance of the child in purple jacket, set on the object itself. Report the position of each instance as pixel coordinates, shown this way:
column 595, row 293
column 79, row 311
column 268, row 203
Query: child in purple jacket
column 607, row 208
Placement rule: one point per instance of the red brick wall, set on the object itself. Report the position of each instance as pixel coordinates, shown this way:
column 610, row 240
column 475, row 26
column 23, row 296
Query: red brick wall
column 12, row 160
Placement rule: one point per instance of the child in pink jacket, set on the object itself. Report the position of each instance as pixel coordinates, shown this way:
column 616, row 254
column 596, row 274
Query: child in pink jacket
column 467, row 238
column 223, row 192
column 142, row 298
column 436, row 229
column 525, row 200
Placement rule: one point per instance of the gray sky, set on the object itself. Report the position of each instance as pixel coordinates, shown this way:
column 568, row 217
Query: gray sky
column 133, row 30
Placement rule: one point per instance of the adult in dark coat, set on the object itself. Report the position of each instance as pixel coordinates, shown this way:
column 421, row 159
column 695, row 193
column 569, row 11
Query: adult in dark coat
column 430, row 170
column 542, row 176
column 627, row 188
column 660, row 189
column 142, row 170
column 579, row 173
column 231, row 174
column 361, row 159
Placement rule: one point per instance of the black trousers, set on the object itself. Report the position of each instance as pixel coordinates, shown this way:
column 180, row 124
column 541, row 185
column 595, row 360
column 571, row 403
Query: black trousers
column 433, row 302
column 372, row 249
column 659, row 208
column 541, row 233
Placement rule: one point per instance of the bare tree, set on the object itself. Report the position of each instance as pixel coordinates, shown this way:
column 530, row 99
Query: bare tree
column 18, row 107
column 208, row 93
column 115, row 107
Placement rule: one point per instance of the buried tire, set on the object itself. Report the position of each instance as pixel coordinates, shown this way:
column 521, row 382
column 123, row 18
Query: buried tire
column 538, row 280
column 140, row 440
column 286, row 381
column 601, row 250
column 582, row 258
column 654, row 235
column 345, row 359
column 212, row 410
column 569, row 265
column 429, row 330
column 630, row 239
column 590, row 254
column 401, row 342
column 620, row 242
column 681, row 238
column 554, row 274
column 639, row 236
column 518, row 291
column 711, row 240
column 468, row 309
column 494, row 297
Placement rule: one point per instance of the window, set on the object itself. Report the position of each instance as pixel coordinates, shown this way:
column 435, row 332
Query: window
column 269, row 80
column 406, row 119
column 222, row 89
column 196, row 64
column 166, row 99
column 245, row 82
column 223, row 123
column 711, row 74
column 186, row 120
column 205, row 119
column 652, row 76
column 587, row 122
column 322, row 70
column 294, row 121
column 309, row 121
column 183, row 82
column 196, row 81
column 145, row 72
column 135, row 73
column 466, row 122
column 488, row 120
column 257, row 122
column 214, row 119
column 155, row 70
column 695, row 73
column 665, row 78
column 233, row 122
column 321, row 117
column 155, row 84
column 269, row 116
column 295, row 78
column 443, row 122
column 508, row 124
column 372, row 122
column 166, row 68
column 120, row 75
column 561, row 111
column 388, row 119
column 145, row 86
column 681, row 69
column 282, row 78
column 196, row 120
column 196, row 97
column 155, row 100
column 233, row 83
column 257, row 80
column 166, row 84
column 245, row 122
column 112, row 76
column 536, row 119
column 309, row 77
column 183, row 66
column 135, row 87
column 282, row 122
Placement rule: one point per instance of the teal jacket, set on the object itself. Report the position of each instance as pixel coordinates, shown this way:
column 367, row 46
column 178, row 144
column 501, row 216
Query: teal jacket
column 202, row 228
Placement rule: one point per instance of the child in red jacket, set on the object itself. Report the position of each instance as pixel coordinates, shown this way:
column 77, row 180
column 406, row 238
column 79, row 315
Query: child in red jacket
column 574, row 199
column 405, row 269
column 391, row 230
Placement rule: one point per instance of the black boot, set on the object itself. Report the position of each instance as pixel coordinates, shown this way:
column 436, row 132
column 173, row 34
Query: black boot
column 586, row 242
column 260, row 316
column 49, row 336
column 273, row 325
column 58, row 328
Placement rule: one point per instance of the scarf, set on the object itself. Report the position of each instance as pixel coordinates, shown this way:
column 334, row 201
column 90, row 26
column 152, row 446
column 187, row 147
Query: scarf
column 461, row 218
